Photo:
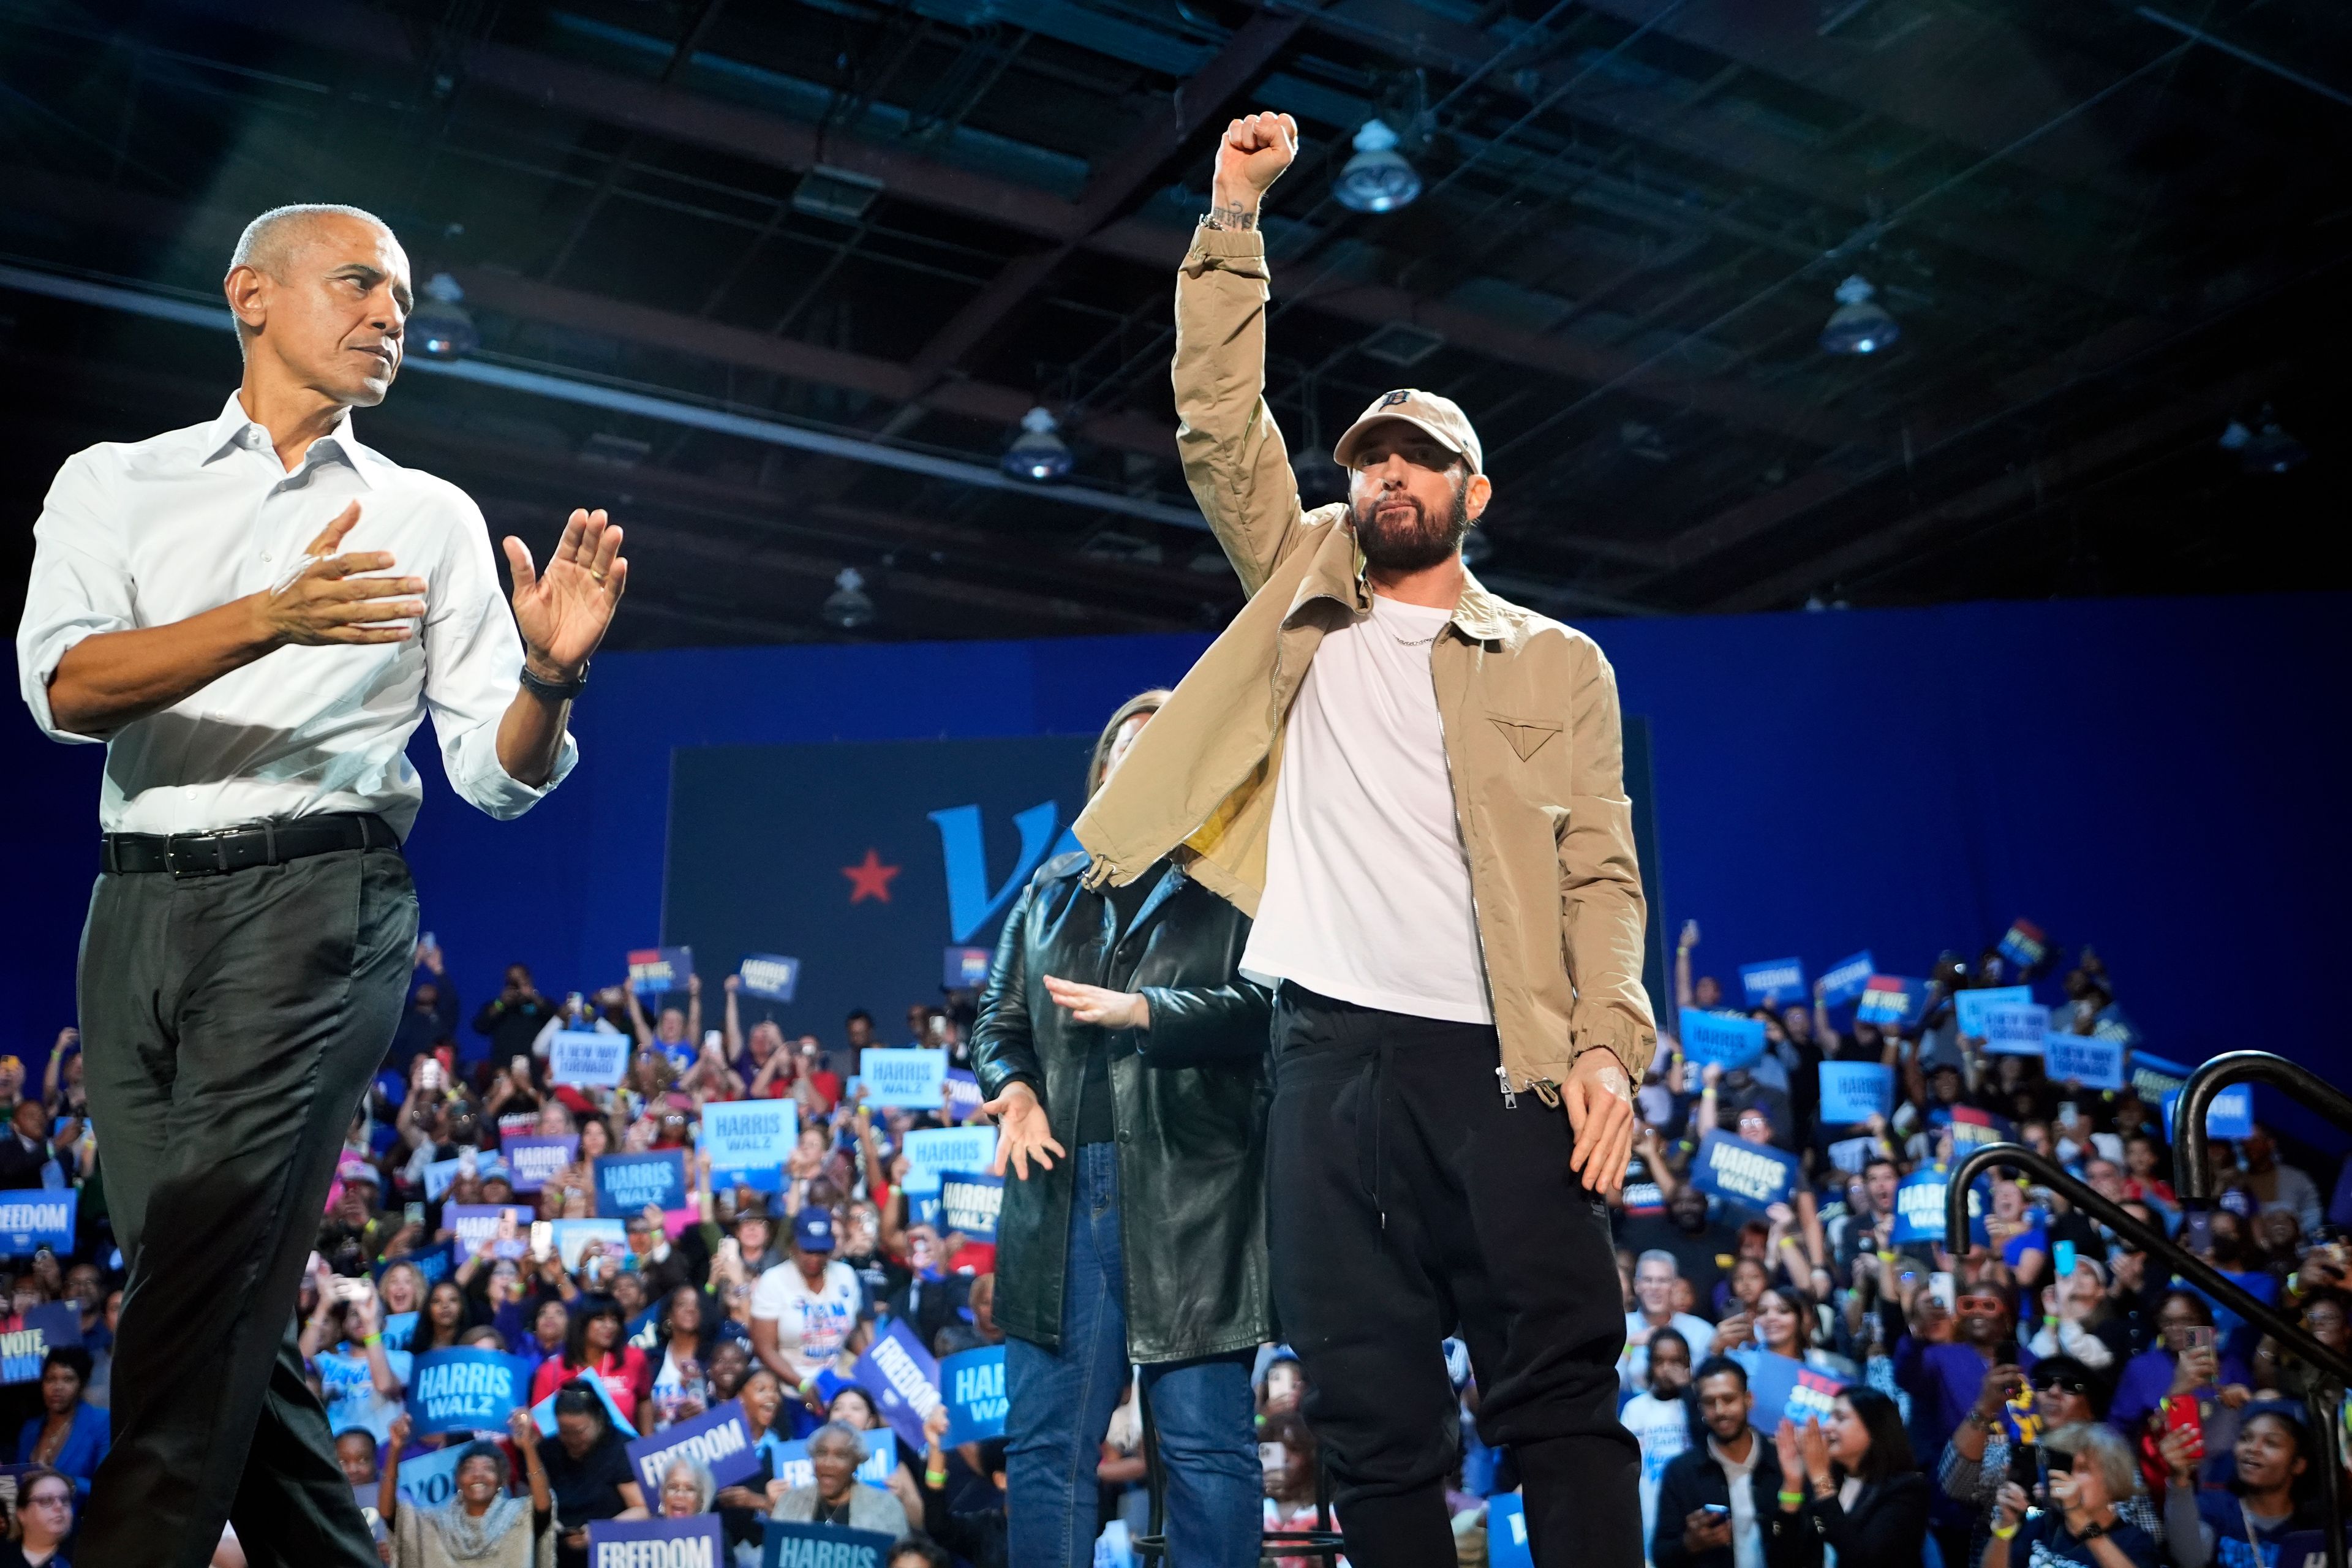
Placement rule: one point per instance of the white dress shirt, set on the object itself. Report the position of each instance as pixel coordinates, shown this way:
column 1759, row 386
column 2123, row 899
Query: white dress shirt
column 155, row 532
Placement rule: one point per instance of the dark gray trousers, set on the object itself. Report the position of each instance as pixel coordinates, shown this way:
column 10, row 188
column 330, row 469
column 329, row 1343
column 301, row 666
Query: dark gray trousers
column 230, row 1025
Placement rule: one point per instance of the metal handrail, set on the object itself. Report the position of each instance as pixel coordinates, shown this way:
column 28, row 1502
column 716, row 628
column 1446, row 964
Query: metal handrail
column 2191, row 1171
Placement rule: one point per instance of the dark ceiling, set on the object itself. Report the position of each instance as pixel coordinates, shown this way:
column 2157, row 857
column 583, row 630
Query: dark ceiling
column 2106, row 231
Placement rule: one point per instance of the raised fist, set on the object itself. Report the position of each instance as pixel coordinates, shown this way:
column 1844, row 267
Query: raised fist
column 1251, row 155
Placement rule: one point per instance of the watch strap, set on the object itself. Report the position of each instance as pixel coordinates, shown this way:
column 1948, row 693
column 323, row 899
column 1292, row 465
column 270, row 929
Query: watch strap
column 563, row 690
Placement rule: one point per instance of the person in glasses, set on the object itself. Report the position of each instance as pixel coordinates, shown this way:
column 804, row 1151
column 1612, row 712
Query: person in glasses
column 1977, row 1462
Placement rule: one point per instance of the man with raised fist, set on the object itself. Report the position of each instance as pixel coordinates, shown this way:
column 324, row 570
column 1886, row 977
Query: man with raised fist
column 1415, row 788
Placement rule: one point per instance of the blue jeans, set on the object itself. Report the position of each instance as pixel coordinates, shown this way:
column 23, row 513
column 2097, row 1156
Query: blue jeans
column 1062, row 1403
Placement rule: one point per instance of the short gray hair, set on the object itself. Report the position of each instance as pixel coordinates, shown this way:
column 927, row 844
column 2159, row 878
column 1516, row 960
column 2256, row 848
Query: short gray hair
column 2098, row 1442
column 266, row 239
column 841, row 1433
column 706, row 1486
column 1660, row 1255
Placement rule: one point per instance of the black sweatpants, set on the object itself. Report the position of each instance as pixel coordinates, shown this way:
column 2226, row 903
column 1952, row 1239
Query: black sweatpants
column 230, row 1025
column 1409, row 1203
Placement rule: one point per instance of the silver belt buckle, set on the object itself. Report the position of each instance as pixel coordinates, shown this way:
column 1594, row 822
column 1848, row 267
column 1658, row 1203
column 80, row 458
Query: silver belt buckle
column 213, row 862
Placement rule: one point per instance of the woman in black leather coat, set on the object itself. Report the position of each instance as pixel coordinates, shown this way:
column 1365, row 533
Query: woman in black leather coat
column 1122, row 1055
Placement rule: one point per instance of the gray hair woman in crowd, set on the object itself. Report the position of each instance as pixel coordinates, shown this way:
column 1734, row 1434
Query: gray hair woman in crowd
column 834, row 1452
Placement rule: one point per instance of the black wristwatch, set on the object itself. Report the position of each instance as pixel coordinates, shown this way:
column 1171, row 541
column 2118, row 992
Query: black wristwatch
column 2090, row 1532
column 561, row 690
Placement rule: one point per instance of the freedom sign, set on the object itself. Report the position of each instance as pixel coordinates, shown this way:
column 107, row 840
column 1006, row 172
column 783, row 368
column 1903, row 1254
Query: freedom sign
column 627, row 1183
column 1726, row 1039
column 968, row 1202
column 35, row 1217
column 654, row 970
column 2085, row 1059
column 1919, row 1208
column 1889, row 999
column 719, row 1437
column 913, row 1078
column 789, row 1462
column 46, row 1327
column 823, row 1546
column 465, row 1390
column 972, row 1383
column 1785, row 1386
column 770, row 976
column 2229, row 1114
column 1971, row 1006
column 933, row 1152
column 588, row 1058
column 1844, row 980
column 1855, row 1091
column 697, row 1540
column 903, row 1378
column 2015, row 1030
column 749, row 1141
column 534, row 1161
column 1753, row 1176
column 964, row 1093
column 1773, row 983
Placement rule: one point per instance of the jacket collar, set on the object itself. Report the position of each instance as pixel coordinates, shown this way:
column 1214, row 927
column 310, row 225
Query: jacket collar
column 1337, row 574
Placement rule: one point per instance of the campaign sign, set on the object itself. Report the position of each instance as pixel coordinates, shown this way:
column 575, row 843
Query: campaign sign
column 1775, row 982
column 1784, row 1386
column 542, row 1414
column 1971, row 1006
column 1754, row 1176
column 823, row 1546
column 910, row 1078
column 697, row 1540
column 1507, row 1532
column 465, row 1390
column 1970, row 1126
column 2025, row 944
column 968, row 1202
column 1919, row 1208
column 654, row 970
column 972, row 1382
column 36, row 1217
column 627, row 1183
column 770, row 976
column 933, row 1152
column 571, row 1237
column 2229, row 1114
column 588, row 1058
column 441, row 1175
column 964, row 1093
column 749, row 1141
column 2015, row 1030
column 1844, row 980
column 46, row 1327
column 903, row 1378
column 475, row 1229
column 789, row 1462
column 430, row 1479
column 2085, row 1059
column 1847, row 1154
column 520, row 1124
column 398, row 1329
column 966, row 968
column 2153, row 1077
column 432, row 1263
column 1727, row 1039
column 719, row 1437
column 1855, row 1091
column 1891, row 1001
column 535, row 1160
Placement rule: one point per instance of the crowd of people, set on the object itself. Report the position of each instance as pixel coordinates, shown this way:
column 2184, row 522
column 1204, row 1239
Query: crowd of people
column 2052, row 1395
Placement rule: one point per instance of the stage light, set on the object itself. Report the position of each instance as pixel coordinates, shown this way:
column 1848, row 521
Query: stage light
column 2266, row 449
column 439, row 327
column 1377, row 179
column 847, row 605
column 1858, row 326
column 1037, row 453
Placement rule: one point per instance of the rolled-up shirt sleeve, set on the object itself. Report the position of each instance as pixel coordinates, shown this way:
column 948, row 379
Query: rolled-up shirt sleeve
column 473, row 664
column 81, row 586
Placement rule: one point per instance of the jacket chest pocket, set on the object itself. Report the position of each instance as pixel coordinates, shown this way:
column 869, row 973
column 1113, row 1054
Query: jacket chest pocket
column 1528, row 757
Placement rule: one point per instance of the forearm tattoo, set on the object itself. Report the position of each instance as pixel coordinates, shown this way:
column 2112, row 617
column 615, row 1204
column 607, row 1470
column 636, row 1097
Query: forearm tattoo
column 1233, row 215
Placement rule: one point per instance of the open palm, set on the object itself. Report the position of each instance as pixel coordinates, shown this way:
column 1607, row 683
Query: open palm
column 563, row 612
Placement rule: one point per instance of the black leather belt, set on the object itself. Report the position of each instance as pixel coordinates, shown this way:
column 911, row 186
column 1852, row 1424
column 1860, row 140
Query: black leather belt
column 270, row 842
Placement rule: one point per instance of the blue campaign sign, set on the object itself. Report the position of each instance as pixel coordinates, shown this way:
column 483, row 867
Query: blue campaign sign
column 1855, row 1091
column 789, row 1462
column 399, row 1328
column 903, row 1379
column 1919, row 1208
column 571, row 1237
column 32, row 1218
column 1753, row 1176
column 2025, row 944
column 474, row 1227
column 627, row 1183
column 440, row 1177
column 770, row 976
column 467, row 1390
column 432, row 1263
column 542, row 1414
column 719, row 1437
column 697, row 1540
column 1891, row 1001
column 1785, row 1386
column 589, row 1058
column 1775, row 982
column 966, row 968
column 1843, row 981
column 43, row 1329
column 933, row 1152
column 823, row 1546
column 749, row 1141
column 1507, row 1532
column 2230, row 1113
column 1970, row 1007
column 2015, row 1030
column 430, row 1479
column 654, row 970
column 2085, row 1059
column 964, row 1093
column 1726, row 1039
column 973, row 1385
column 534, row 1161
column 969, row 1201
column 2153, row 1077
column 914, row 1078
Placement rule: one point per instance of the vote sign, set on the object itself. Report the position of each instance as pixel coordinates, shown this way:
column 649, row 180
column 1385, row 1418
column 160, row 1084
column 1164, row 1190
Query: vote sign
column 908, row 1077
column 933, row 1152
column 534, row 1161
column 587, row 1059
column 1753, row 1176
column 43, row 1329
column 465, row 1390
column 2085, row 1059
column 35, row 1217
column 1727, row 1039
column 1785, row 1387
column 430, row 1479
column 1843, row 980
column 1775, row 982
column 969, row 1203
column 1855, row 1091
column 823, row 1546
column 655, row 970
column 749, row 1141
column 770, row 976
column 903, row 1378
column 972, row 1383
column 719, row 1437
column 1891, row 1001
column 1970, row 1007
column 697, row 1540
column 627, row 1183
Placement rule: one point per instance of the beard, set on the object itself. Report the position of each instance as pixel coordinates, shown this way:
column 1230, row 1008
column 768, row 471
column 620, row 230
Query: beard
column 1410, row 541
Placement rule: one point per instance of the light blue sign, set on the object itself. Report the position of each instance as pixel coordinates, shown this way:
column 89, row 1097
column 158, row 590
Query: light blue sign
column 789, row 1462
column 770, row 976
column 571, row 1237
column 465, row 1390
column 933, row 1152
column 440, row 1177
column 35, row 1217
column 1785, row 1386
column 1775, row 982
column 749, row 1141
column 1726, row 1039
column 430, row 1479
column 1753, row 1176
column 474, row 1227
column 1891, row 1001
column 914, row 1077
column 1843, row 980
column 697, row 1540
column 1855, row 1091
column 2085, row 1059
column 2229, row 1114
column 972, row 1383
column 587, row 1058
column 2015, row 1030
column 1507, row 1532
column 1970, row 1007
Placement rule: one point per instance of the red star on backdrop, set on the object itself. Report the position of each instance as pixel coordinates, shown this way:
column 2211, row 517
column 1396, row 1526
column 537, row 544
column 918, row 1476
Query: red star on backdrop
column 870, row 879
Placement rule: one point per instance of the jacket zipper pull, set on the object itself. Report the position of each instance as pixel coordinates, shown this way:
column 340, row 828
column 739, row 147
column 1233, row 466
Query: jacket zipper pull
column 1503, row 1077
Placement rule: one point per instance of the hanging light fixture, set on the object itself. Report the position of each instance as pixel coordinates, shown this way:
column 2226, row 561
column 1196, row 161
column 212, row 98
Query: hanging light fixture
column 2266, row 449
column 1037, row 453
column 1859, row 325
column 439, row 327
column 847, row 606
column 1377, row 179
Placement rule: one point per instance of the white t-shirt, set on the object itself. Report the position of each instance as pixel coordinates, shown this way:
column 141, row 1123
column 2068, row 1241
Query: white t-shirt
column 811, row 1325
column 1746, row 1536
column 1367, row 885
column 1633, row 1366
column 1663, row 1429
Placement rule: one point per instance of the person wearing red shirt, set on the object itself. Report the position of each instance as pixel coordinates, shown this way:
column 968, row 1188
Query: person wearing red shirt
column 598, row 1342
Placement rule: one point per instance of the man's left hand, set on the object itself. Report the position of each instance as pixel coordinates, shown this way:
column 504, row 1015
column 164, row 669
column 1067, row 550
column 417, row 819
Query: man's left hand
column 563, row 612
column 1598, row 1099
column 1095, row 1005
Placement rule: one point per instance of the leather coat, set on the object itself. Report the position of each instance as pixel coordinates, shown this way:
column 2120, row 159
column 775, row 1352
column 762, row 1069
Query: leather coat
column 1189, row 1100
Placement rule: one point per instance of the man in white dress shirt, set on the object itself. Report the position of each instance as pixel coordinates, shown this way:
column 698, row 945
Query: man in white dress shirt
column 253, row 614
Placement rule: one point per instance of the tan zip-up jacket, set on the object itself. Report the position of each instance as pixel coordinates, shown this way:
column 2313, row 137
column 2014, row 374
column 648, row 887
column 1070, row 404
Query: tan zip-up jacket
column 1530, row 709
